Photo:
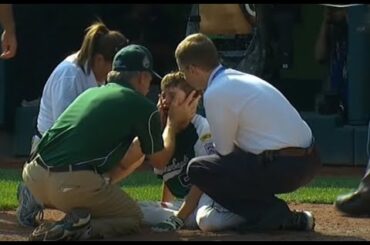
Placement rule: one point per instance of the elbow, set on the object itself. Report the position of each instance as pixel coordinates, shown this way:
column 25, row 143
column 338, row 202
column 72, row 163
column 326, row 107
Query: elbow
column 159, row 160
column 122, row 168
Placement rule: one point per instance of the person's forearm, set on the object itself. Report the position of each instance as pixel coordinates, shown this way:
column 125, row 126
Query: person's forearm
column 169, row 142
column 120, row 172
column 133, row 158
column 190, row 203
column 178, row 116
column 6, row 18
column 160, row 159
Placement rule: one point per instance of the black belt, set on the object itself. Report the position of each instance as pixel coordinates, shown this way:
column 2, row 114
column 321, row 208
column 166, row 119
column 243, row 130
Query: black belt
column 290, row 151
column 295, row 151
column 66, row 168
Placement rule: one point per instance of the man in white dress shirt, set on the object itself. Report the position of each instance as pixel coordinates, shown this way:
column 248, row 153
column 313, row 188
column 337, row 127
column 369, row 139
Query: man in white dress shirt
column 263, row 146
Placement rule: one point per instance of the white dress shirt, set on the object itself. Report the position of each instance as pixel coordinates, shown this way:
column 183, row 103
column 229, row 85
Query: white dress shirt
column 245, row 110
column 65, row 83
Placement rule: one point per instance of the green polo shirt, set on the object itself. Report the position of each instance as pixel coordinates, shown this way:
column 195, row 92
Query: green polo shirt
column 99, row 126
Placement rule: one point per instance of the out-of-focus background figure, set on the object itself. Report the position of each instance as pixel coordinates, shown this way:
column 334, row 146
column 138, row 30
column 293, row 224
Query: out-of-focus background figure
column 8, row 36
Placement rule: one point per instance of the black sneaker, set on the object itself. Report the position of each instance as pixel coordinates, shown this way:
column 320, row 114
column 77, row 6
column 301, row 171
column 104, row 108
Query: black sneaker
column 74, row 226
column 300, row 221
column 354, row 203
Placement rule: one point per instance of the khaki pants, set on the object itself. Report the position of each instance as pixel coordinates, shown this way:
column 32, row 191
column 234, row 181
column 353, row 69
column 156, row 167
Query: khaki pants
column 113, row 212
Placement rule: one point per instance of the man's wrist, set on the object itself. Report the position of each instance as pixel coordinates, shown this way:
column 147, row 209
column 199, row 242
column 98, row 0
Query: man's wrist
column 171, row 126
column 9, row 27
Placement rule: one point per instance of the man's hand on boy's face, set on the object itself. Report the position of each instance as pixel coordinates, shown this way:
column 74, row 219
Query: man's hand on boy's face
column 161, row 105
column 180, row 114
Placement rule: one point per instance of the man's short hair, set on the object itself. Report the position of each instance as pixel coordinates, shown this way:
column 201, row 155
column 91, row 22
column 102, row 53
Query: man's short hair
column 197, row 49
column 121, row 76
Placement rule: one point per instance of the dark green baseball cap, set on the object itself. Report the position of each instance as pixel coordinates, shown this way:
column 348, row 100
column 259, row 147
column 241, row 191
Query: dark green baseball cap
column 134, row 58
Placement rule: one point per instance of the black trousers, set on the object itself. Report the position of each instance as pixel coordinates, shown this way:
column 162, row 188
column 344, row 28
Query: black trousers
column 246, row 183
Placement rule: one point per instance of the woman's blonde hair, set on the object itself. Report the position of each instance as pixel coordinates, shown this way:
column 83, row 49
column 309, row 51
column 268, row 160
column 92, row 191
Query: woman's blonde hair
column 99, row 40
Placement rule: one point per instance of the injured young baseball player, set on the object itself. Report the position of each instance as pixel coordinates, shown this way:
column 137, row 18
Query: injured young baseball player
column 193, row 209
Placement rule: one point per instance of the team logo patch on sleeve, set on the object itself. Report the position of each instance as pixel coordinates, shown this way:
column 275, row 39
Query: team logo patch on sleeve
column 210, row 148
column 205, row 137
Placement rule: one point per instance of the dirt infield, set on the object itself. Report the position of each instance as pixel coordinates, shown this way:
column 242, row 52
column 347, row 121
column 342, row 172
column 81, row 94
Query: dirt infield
column 330, row 226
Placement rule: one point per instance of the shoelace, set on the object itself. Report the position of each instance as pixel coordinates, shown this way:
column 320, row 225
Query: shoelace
column 176, row 221
column 170, row 224
column 71, row 218
column 42, row 228
column 37, row 215
column 40, row 215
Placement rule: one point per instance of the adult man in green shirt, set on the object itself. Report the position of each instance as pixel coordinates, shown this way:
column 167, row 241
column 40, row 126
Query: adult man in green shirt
column 94, row 144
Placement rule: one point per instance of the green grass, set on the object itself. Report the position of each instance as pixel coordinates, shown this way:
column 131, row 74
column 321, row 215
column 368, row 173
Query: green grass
column 322, row 190
column 145, row 186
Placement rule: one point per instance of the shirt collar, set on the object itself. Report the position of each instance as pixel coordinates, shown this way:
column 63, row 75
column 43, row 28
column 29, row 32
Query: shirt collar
column 211, row 77
column 123, row 84
column 91, row 75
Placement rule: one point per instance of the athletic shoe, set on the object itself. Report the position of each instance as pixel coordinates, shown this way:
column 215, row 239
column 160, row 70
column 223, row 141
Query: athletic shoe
column 29, row 212
column 74, row 226
column 300, row 221
column 173, row 223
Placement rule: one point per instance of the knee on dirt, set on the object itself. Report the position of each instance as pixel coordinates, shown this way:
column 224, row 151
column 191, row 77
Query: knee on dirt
column 207, row 221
